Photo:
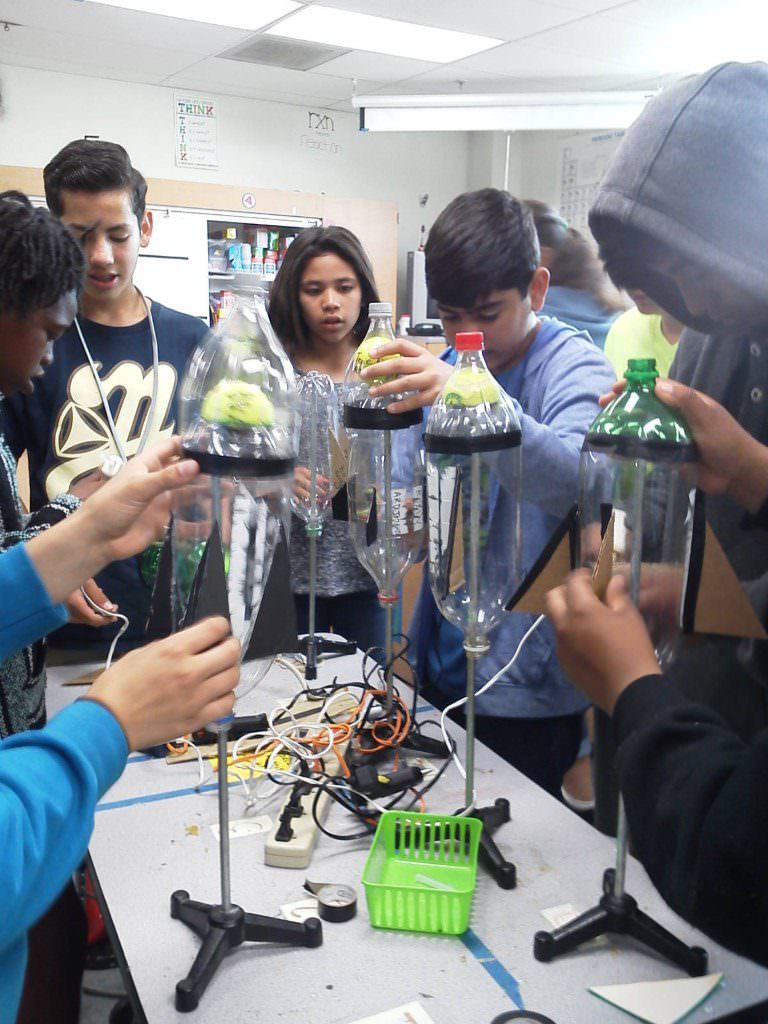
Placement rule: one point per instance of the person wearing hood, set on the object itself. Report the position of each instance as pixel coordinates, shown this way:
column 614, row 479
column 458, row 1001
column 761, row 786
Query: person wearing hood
column 681, row 213
column 580, row 292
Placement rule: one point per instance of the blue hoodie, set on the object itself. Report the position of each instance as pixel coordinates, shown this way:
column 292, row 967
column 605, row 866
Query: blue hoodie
column 50, row 780
column 580, row 310
column 555, row 389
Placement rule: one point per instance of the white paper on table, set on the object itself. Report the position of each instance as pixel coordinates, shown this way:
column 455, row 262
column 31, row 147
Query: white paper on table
column 659, row 1002
column 411, row 1013
column 564, row 913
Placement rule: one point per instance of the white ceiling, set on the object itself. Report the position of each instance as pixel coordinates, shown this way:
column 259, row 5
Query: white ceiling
column 547, row 45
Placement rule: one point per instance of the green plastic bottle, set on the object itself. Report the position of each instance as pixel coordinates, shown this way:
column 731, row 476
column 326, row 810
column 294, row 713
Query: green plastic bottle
column 638, row 425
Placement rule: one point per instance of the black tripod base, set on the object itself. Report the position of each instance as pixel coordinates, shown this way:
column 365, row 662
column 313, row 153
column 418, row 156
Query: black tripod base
column 503, row 872
column 222, row 930
column 619, row 915
column 314, row 647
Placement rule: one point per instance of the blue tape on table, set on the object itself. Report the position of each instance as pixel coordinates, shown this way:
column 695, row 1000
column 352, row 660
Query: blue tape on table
column 508, row 982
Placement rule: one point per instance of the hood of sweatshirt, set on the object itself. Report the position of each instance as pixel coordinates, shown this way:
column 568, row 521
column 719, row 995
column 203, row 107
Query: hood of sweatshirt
column 690, row 175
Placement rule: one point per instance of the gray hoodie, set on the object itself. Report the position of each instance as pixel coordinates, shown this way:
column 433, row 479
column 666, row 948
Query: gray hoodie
column 692, row 175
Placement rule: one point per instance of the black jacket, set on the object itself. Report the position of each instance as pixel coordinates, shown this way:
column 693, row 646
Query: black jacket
column 697, row 805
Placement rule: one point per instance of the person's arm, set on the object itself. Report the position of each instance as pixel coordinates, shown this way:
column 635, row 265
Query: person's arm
column 695, row 795
column 551, row 443
column 121, row 519
column 27, row 612
column 696, row 800
column 51, row 778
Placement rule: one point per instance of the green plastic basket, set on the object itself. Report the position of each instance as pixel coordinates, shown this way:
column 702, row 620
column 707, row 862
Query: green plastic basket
column 421, row 872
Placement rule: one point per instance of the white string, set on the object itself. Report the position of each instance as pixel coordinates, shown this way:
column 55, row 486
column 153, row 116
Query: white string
column 110, row 615
column 483, row 689
column 102, row 395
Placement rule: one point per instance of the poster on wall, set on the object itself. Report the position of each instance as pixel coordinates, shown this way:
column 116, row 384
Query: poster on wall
column 195, row 120
column 584, row 160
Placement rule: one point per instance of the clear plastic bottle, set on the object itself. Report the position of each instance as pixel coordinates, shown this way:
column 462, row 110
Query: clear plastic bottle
column 473, row 451
column 638, row 474
column 237, row 422
column 361, row 410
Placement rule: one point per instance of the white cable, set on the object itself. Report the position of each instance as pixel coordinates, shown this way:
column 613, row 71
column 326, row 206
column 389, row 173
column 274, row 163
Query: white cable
column 491, row 682
column 290, row 666
column 110, row 615
column 102, row 394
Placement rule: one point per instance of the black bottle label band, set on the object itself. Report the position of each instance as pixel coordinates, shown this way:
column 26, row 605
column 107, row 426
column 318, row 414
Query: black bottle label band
column 230, row 465
column 442, row 445
column 379, row 419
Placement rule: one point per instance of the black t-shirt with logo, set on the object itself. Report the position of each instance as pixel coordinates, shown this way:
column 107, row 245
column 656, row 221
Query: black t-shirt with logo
column 65, row 431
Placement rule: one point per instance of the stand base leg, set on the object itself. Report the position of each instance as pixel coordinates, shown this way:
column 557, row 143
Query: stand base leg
column 619, row 915
column 221, row 931
column 502, row 871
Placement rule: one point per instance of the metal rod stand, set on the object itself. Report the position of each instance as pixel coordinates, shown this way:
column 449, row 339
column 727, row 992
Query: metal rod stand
column 224, row 926
column 475, row 646
column 617, row 913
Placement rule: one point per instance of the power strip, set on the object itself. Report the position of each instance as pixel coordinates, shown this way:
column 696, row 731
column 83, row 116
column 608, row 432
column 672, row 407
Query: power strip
column 297, row 851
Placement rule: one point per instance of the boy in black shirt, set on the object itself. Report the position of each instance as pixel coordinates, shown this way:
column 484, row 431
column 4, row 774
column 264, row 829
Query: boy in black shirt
column 111, row 390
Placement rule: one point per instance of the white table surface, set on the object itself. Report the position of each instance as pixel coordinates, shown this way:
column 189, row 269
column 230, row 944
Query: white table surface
column 153, row 836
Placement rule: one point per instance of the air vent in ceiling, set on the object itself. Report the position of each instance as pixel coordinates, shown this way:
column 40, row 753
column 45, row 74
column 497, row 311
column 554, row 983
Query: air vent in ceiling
column 282, row 53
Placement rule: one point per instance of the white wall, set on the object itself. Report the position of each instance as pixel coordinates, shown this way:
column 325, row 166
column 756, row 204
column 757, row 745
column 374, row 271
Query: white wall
column 261, row 144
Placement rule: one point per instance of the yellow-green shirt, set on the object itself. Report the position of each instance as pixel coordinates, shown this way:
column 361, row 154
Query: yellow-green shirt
column 636, row 335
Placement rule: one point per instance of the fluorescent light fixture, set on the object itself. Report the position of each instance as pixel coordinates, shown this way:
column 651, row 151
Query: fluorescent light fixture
column 507, row 112
column 245, row 14
column 380, row 35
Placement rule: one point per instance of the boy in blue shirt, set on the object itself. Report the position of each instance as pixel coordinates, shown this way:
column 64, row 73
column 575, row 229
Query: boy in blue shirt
column 96, row 399
column 482, row 264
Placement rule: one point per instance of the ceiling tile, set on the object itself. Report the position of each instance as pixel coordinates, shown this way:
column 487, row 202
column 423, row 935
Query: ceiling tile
column 55, row 51
column 373, row 66
column 539, row 59
column 231, row 76
column 94, row 22
column 502, row 19
column 587, row 45
column 693, row 35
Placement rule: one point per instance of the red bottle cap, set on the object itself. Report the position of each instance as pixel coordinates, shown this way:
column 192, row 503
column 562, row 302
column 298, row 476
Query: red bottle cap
column 469, row 341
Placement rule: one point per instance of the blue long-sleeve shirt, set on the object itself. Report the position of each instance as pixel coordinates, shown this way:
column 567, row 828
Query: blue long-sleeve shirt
column 50, row 780
column 555, row 389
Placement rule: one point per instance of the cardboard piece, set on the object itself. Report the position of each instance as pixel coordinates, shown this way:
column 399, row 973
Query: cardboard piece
column 160, row 618
column 208, row 594
column 721, row 604
column 275, row 630
column 371, row 523
column 340, row 505
column 456, row 577
column 659, row 1002
column 603, row 570
column 550, row 569
column 339, row 459
column 715, row 601
column 411, row 1013
column 85, row 678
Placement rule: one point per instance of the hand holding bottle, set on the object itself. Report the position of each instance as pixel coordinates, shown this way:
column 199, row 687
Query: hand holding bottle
column 731, row 461
column 413, row 369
